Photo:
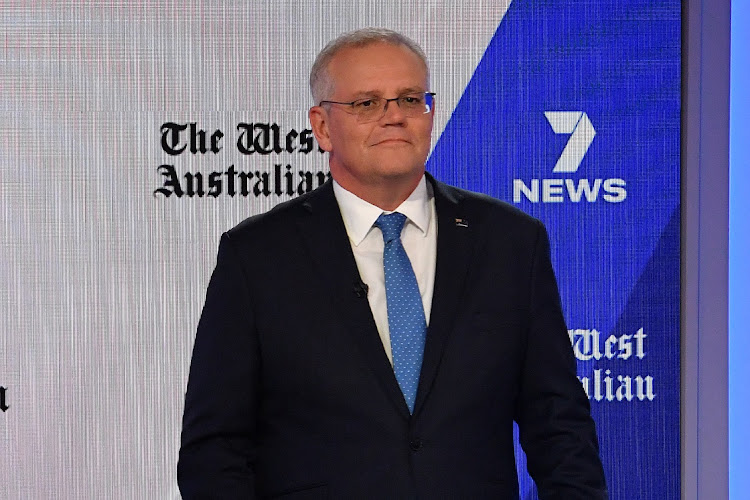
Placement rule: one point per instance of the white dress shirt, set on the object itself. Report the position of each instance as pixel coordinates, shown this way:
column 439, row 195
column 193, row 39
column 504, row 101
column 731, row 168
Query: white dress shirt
column 419, row 238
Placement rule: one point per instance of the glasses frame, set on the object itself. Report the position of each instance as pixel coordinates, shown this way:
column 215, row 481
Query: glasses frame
column 385, row 106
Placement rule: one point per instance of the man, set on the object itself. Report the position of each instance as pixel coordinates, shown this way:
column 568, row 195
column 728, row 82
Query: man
column 348, row 351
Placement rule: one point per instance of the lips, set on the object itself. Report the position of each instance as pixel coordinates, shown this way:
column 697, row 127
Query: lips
column 392, row 140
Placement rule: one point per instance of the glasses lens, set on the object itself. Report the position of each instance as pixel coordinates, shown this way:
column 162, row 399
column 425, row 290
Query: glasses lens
column 411, row 105
column 415, row 104
column 368, row 109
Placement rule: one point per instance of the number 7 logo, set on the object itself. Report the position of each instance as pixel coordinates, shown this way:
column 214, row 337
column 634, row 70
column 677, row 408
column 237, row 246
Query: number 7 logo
column 578, row 125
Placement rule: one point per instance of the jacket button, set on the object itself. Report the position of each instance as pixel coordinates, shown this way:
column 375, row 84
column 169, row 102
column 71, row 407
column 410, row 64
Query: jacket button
column 415, row 444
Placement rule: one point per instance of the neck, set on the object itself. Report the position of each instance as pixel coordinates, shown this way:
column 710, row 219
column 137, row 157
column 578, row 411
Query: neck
column 384, row 195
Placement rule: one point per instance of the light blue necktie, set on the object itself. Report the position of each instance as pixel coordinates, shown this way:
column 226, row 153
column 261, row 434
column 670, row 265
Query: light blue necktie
column 406, row 319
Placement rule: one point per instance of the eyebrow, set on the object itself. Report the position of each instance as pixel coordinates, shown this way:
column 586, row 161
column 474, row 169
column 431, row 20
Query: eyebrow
column 377, row 93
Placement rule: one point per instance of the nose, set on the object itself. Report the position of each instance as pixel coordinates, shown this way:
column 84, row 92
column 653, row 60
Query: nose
column 395, row 114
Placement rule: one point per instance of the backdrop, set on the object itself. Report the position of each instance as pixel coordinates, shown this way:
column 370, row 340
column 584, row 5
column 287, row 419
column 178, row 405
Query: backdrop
column 132, row 134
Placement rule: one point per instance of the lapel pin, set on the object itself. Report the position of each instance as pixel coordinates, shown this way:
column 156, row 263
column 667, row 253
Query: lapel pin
column 462, row 223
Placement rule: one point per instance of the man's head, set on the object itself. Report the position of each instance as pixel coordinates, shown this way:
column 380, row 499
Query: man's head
column 378, row 158
column 321, row 84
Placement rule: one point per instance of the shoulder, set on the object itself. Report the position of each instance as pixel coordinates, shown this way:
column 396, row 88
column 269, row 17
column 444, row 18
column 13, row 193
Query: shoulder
column 279, row 221
column 485, row 210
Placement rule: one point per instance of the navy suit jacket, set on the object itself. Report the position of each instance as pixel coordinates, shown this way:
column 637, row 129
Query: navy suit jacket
column 291, row 394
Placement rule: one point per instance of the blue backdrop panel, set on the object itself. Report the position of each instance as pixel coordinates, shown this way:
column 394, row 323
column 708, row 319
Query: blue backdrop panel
column 739, row 249
column 573, row 115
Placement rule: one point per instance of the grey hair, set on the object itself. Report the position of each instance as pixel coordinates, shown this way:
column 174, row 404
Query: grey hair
column 321, row 85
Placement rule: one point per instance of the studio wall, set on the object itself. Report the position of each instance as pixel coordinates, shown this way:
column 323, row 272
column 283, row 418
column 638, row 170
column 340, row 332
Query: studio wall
column 132, row 134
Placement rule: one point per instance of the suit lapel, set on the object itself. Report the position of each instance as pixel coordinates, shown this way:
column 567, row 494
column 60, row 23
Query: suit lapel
column 454, row 245
column 327, row 243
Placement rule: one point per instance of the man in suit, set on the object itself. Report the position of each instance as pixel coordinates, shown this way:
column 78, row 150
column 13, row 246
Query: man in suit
column 377, row 337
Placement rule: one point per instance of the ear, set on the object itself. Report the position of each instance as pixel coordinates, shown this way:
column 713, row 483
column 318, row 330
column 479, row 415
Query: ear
column 319, row 120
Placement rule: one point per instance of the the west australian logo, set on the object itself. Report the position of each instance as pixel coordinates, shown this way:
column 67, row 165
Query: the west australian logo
column 253, row 140
column 567, row 185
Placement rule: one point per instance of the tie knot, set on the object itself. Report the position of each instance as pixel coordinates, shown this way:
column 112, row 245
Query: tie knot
column 391, row 225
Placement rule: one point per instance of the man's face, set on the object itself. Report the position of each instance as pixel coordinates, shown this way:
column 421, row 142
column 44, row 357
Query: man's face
column 386, row 152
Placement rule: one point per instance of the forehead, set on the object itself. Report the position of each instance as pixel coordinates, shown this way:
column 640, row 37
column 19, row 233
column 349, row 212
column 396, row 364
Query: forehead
column 377, row 67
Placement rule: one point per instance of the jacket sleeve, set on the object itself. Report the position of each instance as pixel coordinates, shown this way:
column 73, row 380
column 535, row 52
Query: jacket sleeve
column 217, row 452
column 556, row 430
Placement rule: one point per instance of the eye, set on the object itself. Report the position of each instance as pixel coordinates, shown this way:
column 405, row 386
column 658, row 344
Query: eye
column 412, row 100
column 364, row 103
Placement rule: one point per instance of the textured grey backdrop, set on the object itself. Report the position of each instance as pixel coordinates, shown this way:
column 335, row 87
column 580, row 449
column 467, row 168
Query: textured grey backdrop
column 102, row 282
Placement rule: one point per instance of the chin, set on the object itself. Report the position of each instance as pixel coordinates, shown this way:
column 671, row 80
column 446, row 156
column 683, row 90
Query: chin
column 400, row 156
column 402, row 173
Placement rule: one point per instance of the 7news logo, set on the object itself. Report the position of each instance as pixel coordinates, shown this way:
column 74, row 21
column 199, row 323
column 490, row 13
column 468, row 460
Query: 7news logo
column 561, row 189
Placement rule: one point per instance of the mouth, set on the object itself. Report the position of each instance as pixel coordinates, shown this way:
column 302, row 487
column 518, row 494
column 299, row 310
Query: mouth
column 391, row 141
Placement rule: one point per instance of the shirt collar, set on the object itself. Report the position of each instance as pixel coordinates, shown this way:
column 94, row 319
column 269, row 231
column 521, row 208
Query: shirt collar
column 359, row 215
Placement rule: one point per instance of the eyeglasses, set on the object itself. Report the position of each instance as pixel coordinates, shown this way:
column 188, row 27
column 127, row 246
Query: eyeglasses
column 372, row 109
